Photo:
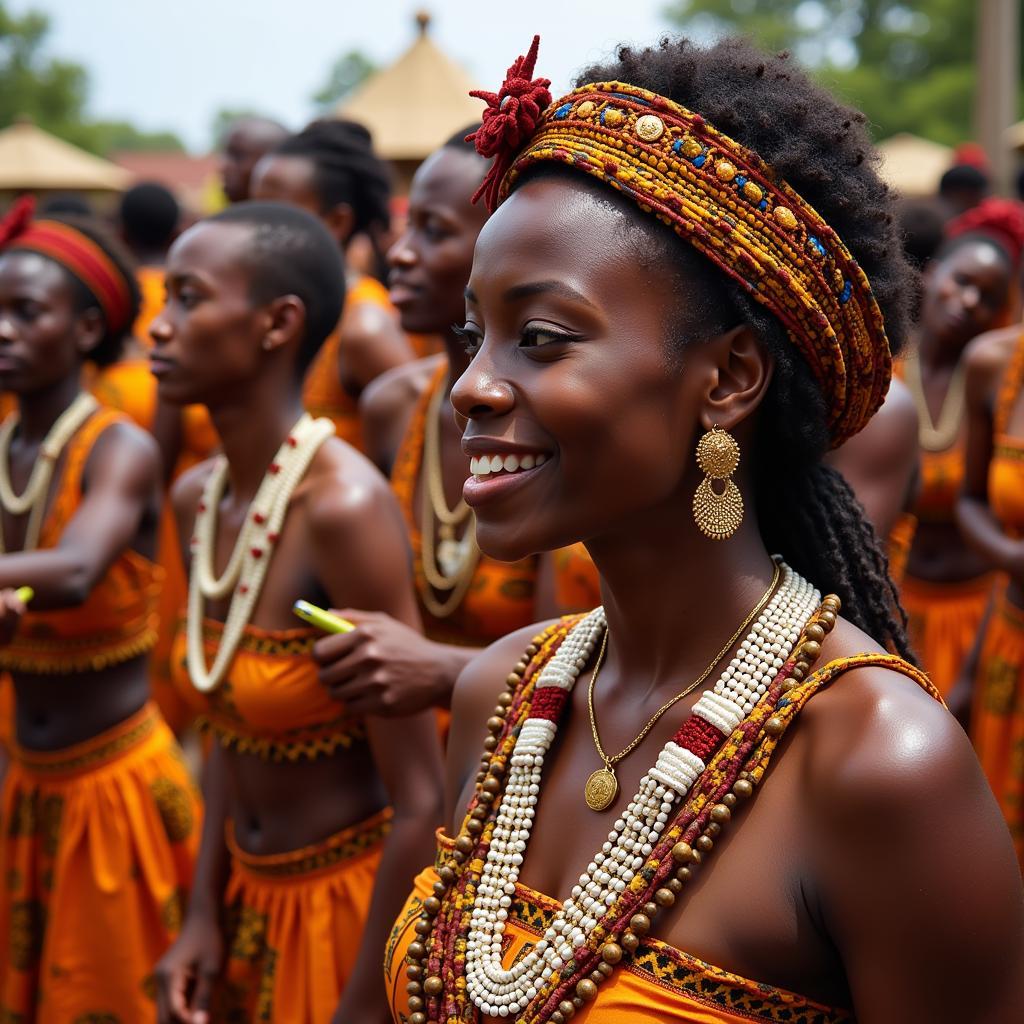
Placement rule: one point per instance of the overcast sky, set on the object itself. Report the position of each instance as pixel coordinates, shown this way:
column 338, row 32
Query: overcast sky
column 173, row 64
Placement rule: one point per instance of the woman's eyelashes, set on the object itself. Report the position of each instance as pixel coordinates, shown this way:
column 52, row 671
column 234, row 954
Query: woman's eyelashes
column 470, row 335
column 539, row 336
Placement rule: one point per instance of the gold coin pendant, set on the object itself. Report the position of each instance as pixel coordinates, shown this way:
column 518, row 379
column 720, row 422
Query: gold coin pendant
column 601, row 790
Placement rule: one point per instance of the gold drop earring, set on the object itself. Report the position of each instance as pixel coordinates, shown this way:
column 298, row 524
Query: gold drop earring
column 718, row 515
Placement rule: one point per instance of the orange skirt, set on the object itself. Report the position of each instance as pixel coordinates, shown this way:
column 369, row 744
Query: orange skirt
column 97, row 851
column 944, row 619
column 293, row 926
column 997, row 719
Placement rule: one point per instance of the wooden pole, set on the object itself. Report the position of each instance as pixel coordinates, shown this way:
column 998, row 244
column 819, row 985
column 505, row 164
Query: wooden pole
column 998, row 76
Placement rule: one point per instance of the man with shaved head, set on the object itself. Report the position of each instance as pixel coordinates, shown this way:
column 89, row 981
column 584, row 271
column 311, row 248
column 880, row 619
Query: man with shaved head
column 244, row 142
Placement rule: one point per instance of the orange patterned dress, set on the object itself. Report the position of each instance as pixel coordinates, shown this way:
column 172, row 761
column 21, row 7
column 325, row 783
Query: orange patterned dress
column 99, row 839
column 292, row 921
column 997, row 719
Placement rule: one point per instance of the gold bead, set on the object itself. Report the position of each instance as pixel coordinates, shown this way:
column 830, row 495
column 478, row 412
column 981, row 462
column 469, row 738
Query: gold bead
column 613, row 118
column 650, row 128
column 417, row 1018
column 505, row 698
column 414, row 972
column 446, row 874
column 492, row 785
column 674, row 886
column 742, row 788
column 650, row 909
column 512, row 681
column 557, row 1018
column 630, row 942
column 606, row 969
column 810, row 650
column 490, row 743
column 681, row 853
column 586, row 990
column 432, row 906
column 439, row 889
column 691, row 148
column 713, row 829
column 774, row 726
column 596, row 976
column 475, row 826
column 433, row 986
column 752, row 192
column 705, row 844
column 566, row 1008
column 814, row 632
column 684, row 874
column 639, row 923
column 720, row 814
column 464, row 845
column 827, row 619
column 495, row 724
column 416, row 1004
column 718, row 454
column 423, row 926
column 664, row 897
column 729, row 800
column 832, row 602
column 585, row 109
column 416, row 950
column 785, row 218
column 725, row 170
column 611, row 952
column 697, row 857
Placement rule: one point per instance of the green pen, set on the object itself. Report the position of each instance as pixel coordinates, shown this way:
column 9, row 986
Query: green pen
column 322, row 619
column 24, row 594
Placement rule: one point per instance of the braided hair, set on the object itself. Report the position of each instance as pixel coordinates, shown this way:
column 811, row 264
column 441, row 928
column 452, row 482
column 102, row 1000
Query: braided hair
column 822, row 150
column 346, row 170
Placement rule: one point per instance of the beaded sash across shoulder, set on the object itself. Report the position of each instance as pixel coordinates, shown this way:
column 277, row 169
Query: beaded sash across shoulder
column 715, row 760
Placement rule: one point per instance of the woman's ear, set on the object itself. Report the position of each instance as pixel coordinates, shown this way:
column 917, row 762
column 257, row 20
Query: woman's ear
column 741, row 372
column 89, row 331
column 286, row 322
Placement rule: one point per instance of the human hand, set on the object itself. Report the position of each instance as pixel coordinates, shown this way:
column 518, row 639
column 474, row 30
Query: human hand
column 186, row 974
column 384, row 667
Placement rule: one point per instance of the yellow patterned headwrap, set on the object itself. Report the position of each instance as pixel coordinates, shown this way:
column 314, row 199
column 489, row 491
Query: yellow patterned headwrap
column 728, row 204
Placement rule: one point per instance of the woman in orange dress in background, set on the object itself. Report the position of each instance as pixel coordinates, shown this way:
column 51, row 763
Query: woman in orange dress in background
column 467, row 600
column 659, row 306
column 101, row 821
column 330, row 169
column 947, row 585
column 991, row 516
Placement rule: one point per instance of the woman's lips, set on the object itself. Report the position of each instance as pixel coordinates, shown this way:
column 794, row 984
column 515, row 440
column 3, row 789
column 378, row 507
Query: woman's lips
column 403, row 294
column 494, row 476
column 160, row 367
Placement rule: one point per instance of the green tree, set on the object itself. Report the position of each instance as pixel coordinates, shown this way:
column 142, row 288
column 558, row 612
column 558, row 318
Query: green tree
column 347, row 72
column 53, row 93
column 908, row 66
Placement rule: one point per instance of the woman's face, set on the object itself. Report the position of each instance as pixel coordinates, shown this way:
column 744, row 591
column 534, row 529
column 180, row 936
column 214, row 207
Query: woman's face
column 207, row 338
column 41, row 329
column 571, row 376
column 431, row 259
column 965, row 293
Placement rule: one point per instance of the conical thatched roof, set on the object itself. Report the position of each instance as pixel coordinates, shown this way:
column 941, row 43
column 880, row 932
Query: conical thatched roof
column 414, row 105
column 33, row 159
column 913, row 165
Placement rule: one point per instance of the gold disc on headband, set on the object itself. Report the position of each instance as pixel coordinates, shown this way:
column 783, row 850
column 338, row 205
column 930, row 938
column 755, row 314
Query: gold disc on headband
column 601, row 790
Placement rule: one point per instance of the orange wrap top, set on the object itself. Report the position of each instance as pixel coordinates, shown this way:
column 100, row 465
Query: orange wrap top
column 118, row 621
column 1006, row 470
column 322, row 391
column 271, row 702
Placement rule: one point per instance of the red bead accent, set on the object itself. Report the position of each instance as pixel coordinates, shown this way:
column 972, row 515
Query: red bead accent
column 256, row 552
column 258, row 518
column 275, row 468
column 292, row 442
column 699, row 736
column 548, row 703
column 272, row 537
column 243, row 588
column 193, row 541
column 202, row 506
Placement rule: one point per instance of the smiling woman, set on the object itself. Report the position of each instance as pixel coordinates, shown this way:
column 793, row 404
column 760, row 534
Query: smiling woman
column 691, row 287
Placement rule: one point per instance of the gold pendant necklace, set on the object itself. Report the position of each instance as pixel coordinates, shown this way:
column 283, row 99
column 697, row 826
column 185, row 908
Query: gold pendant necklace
column 603, row 787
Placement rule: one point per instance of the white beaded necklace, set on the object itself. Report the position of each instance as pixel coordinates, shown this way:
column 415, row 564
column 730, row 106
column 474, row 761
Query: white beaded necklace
column 250, row 558
column 33, row 498
column 500, row 992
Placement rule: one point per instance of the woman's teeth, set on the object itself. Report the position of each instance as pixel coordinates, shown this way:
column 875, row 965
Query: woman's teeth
column 485, row 465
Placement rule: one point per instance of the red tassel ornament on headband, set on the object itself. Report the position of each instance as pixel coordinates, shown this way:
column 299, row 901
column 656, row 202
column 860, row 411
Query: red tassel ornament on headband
column 17, row 219
column 511, row 117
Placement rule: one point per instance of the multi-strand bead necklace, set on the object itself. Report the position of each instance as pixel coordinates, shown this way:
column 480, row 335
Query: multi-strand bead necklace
column 250, row 558
column 598, row 924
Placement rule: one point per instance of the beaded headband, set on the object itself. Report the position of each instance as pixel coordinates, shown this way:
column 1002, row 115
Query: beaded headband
column 74, row 251
column 719, row 196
